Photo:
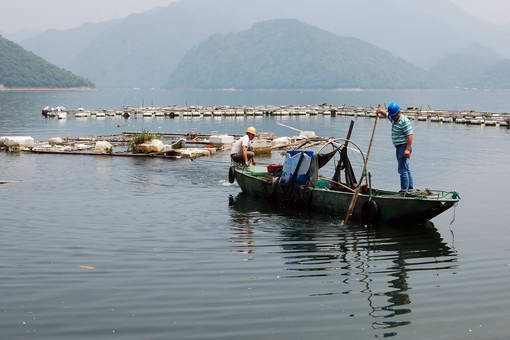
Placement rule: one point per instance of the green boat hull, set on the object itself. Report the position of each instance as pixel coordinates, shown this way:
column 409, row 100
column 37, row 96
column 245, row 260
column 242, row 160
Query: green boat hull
column 383, row 207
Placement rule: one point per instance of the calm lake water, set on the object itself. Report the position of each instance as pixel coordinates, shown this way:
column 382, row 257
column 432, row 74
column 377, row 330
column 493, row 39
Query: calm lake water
column 100, row 248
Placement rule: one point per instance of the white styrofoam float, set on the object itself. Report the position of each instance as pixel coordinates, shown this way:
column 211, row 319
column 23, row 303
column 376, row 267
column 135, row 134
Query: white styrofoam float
column 154, row 146
column 17, row 141
column 103, row 147
column 221, row 139
column 56, row 141
column 307, row 134
column 281, row 142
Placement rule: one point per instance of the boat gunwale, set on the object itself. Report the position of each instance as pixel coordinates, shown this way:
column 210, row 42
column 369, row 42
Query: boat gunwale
column 266, row 179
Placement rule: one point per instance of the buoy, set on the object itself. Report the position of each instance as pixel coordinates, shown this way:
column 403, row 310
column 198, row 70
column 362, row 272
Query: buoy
column 370, row 212
column 231, row 175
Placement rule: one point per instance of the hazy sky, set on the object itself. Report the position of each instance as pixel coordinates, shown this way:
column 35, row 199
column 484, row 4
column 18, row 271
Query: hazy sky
column 17, row 15
column 497, row 11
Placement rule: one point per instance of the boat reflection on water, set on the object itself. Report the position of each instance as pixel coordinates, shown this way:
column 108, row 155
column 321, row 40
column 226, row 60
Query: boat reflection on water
column 375, row 264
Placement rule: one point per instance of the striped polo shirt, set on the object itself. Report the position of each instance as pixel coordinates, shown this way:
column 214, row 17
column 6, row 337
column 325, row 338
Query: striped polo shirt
column 400, row 130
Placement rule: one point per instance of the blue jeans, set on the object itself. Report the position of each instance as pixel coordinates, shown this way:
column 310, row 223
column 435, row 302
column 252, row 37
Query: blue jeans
column 404, row 168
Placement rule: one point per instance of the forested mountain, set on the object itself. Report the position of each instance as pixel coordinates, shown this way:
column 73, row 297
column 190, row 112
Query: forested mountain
column 20, row 68
column 144, row 49
column 287, row 54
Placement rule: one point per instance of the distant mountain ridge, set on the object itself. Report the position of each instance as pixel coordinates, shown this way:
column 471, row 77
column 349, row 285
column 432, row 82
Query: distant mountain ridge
column 62, row 47
column 473, row 67
column 496, row 76
column 144, row 49
column 288, row 54
column 21, row 68
column 462, row 68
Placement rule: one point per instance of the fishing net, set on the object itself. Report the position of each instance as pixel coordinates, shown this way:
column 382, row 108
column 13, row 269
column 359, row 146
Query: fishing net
column 344, row 164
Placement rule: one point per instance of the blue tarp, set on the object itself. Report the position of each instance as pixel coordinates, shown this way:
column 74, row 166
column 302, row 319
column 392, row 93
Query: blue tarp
column 291, row 174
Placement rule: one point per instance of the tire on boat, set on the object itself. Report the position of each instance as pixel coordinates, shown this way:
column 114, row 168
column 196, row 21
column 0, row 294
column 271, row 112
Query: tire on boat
column 369, row 212
column 231, row 175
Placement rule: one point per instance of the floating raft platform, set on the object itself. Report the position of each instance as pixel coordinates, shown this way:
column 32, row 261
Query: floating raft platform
column 469, row 117
column 180, row 146
column 190, row 145
column 113, row 154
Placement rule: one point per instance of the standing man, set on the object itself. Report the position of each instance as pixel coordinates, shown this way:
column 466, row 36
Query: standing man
column 241, row 151
column 402, row 136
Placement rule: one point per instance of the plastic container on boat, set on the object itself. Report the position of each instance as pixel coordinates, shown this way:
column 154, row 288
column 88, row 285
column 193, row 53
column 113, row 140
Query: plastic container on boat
column 321, row 184
column 296, row 168
column 258, row 170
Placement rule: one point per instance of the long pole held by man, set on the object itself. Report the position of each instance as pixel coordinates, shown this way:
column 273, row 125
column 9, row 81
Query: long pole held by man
column 402, row 135
column 355, row 197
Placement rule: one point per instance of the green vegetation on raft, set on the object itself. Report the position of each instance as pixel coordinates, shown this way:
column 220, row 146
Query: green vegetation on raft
column 143, row 137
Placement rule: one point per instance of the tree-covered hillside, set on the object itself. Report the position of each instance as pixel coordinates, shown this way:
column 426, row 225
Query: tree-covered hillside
column 20, row 68
column 287, row 53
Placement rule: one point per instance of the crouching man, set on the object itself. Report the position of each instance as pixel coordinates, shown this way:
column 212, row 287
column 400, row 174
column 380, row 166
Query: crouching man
column 242, row 150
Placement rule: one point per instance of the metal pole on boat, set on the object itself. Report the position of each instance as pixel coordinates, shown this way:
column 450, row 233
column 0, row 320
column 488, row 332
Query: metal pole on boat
column 355, row 196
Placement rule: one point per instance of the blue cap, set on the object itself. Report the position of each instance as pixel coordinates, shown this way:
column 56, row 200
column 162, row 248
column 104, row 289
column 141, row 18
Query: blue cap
column 393, row 110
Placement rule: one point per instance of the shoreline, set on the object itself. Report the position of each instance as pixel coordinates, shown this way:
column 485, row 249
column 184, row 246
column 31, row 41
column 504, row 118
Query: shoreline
column 45, row 89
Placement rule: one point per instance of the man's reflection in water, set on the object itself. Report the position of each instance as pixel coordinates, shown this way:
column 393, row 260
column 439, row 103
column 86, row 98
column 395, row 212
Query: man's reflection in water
column 375, row 262
column 242, row 233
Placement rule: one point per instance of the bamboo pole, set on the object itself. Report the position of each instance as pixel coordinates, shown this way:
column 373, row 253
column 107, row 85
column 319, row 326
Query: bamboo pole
column 339, row 184
column 355, row 197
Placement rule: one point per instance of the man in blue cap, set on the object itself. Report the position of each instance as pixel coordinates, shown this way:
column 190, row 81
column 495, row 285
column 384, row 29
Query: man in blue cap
column 402, row 136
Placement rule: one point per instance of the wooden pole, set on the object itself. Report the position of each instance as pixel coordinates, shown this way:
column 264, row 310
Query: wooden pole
column 355, row 196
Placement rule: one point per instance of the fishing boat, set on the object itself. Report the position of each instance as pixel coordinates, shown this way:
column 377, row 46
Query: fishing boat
column 297, row 183
column 374, row 207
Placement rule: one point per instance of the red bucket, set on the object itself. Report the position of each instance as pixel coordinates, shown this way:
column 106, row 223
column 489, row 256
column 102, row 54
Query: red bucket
column 274, row 168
